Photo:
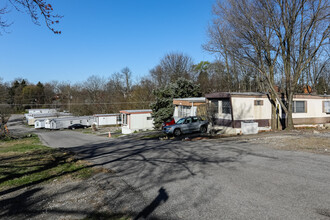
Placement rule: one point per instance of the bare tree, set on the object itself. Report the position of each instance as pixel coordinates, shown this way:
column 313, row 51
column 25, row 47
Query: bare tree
column 34, row 8
column 95, row 90
column 127, row 78
column 266, row 33
column 159, row 76
column 172, row 66
column 317, row 69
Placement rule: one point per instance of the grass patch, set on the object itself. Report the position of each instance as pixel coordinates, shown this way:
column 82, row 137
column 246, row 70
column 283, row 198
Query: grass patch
column 26, row 161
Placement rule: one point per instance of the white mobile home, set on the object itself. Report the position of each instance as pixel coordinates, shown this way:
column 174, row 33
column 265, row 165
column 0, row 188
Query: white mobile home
column 41, row 111
column 186, row 106
column 107, row 119
column 31, row 118
column 135, row 120
column 60, row 123
column 234, row 110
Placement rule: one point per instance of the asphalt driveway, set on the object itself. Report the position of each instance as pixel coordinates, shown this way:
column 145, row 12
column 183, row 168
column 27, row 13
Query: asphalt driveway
column 231, row 179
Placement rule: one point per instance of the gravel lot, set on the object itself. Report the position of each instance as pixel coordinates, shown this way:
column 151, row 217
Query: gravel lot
column 250, row 177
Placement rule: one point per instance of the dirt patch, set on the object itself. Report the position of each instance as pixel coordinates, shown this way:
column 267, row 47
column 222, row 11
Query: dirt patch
column 299, row 140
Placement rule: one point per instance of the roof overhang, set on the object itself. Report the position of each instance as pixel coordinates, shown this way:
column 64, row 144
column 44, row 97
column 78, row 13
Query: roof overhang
column 129, row 112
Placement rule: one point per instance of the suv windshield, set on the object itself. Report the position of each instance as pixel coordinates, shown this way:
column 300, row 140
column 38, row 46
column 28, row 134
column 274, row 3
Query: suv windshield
column 181, row 121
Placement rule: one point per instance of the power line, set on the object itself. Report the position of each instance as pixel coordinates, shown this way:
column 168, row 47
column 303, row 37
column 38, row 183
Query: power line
column 83, row 103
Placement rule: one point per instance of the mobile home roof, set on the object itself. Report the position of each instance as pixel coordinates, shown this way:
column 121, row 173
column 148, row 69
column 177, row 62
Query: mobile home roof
column 140, row 111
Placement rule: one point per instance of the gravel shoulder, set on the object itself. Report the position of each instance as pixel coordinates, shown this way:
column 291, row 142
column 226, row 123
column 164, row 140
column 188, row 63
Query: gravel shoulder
column 100, row 195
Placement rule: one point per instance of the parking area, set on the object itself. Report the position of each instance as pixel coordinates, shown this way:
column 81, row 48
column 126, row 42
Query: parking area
column 219, row 178
column 241, row 177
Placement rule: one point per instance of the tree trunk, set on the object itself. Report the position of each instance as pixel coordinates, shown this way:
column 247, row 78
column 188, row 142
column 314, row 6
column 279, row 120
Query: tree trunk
column 273, row 121
column 289, row 119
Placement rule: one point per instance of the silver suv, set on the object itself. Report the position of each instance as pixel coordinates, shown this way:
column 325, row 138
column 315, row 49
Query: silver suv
column 186, row 125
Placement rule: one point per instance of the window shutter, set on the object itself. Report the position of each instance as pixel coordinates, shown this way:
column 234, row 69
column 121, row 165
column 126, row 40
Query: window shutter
column 305, row 102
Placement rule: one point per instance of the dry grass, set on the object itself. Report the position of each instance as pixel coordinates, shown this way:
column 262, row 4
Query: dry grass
column 26, row 162
column 298, row 141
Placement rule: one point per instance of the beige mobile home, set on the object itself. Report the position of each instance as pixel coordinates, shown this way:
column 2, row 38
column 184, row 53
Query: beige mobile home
column 311, row 110
column 234, row 110
column 135, row 120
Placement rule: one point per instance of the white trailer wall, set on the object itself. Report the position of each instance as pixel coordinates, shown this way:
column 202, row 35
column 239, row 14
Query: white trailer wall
column 59, row 123
column 141, row 121
column 40, row 123
column 106, row 119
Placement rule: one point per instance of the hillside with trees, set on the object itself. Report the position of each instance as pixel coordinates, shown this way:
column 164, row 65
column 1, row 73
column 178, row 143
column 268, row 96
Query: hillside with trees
column 260, row 46
column 119, row 91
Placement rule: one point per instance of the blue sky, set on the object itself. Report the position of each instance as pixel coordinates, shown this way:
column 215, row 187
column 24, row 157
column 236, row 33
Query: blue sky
column 102, row 37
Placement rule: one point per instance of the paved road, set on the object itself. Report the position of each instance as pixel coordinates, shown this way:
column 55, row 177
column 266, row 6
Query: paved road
column 211, row 179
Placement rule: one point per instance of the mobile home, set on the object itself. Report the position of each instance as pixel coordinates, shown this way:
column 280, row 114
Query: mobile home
column 234, row 110
column 31, row 118
column 61, row 123
column 107, row 119
column 135, row 120
column 41, row 111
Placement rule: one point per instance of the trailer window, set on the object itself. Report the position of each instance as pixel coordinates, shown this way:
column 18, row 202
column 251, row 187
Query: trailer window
column 299, row 106
column 326, row 107
column 258, row 102
column 214, row 105
column 226, row 108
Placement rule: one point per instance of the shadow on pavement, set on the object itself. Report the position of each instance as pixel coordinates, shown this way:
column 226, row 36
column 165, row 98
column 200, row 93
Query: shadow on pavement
column 162, row 197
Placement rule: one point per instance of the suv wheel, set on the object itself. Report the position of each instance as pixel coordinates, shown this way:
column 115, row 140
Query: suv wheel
column 203, row 129
column 177, row 132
